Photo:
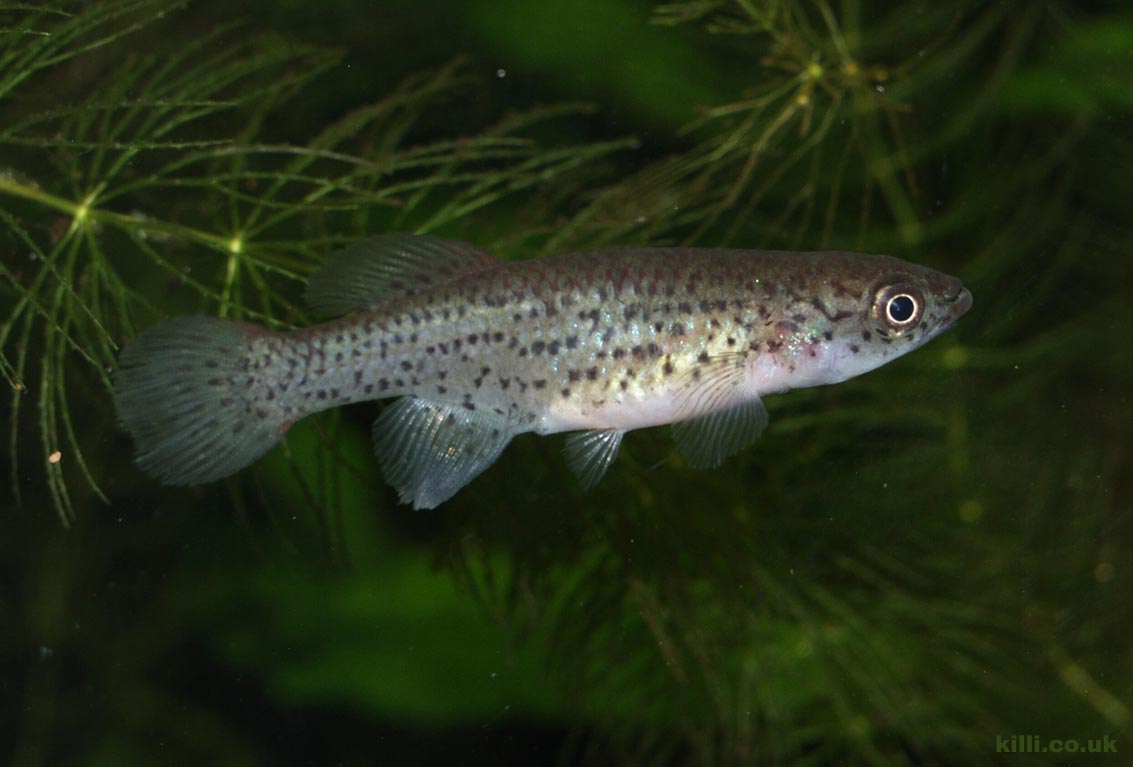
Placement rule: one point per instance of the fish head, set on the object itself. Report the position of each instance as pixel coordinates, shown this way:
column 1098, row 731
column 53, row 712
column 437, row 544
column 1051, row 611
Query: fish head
column 845, row 314
column 881, row 308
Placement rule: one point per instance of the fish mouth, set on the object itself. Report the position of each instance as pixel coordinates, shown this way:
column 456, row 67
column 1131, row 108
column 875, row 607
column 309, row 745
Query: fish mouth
column 955, row 297
column 960, row 303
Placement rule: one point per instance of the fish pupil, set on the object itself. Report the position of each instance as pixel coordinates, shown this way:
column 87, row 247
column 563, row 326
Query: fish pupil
column 901, row 308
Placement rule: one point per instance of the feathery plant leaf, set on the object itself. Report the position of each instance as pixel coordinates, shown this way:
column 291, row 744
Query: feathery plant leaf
column 156, row 174
column 36, row 37
column 821, row 107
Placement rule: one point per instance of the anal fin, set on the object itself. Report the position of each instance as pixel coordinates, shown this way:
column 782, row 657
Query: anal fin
column 430, row 450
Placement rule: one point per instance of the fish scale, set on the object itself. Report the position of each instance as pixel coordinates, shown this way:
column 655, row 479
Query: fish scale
column 595, row 343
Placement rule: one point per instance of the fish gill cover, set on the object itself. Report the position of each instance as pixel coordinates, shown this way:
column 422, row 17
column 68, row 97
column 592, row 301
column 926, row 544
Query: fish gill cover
column 908, row 568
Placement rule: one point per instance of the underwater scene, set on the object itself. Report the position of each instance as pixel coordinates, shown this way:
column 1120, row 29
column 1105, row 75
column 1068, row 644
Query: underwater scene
column 592, row 382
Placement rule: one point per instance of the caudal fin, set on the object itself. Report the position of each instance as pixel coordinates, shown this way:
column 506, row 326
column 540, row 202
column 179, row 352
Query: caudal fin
column 186, row 394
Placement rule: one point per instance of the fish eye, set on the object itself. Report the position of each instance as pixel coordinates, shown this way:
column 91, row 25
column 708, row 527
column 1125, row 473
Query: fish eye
column 897, row 308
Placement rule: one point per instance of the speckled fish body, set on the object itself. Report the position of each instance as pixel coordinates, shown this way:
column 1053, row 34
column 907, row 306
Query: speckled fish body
column 478, row 351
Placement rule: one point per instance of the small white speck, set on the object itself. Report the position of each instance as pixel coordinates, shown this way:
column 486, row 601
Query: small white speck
column 879, row 88
column 55, row 457
column 501, row 73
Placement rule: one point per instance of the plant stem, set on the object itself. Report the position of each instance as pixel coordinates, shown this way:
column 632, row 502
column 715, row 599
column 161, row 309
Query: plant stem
column 82, row 211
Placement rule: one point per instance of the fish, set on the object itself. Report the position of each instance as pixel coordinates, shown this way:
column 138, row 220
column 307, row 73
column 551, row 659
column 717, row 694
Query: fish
column 475, row 351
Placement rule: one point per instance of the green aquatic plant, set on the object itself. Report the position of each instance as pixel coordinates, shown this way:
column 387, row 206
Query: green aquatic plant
column 153, row 181
column 816, row 125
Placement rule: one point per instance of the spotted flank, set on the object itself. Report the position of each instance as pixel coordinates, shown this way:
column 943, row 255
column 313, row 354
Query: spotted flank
column 593, row 343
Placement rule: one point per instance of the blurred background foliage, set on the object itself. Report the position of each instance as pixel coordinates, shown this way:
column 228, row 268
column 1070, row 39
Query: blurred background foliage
column 906, row 565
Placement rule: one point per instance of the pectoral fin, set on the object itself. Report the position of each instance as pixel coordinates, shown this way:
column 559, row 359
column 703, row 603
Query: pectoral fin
column 430, row 450
column 590, row 453
column 711, row 384
column 706, row 441
column 716, row 415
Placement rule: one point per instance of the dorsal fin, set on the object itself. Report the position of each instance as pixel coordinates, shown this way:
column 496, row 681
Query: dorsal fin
column 387, row 266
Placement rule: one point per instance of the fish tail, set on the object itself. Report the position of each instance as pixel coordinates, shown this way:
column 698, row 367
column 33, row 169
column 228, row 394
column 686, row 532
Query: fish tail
column 187, row 395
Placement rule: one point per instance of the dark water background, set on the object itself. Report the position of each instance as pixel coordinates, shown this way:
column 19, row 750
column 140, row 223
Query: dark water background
column 910, row 568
